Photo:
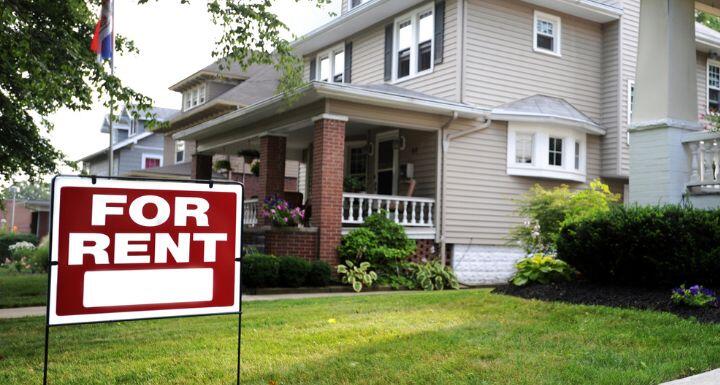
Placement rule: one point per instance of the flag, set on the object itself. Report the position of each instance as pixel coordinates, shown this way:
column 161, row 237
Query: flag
column 103, row 40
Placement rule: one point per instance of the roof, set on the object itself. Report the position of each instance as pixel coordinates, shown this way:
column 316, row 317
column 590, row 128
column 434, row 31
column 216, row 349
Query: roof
column 174, row 171
column 219, row 69
column 261, row 84
column 378, row 95
column 161, row 114
column 131, row 140
column 706, row 38
column 546, row 109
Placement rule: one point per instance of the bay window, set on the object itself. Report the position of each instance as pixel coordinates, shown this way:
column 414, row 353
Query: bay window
column 545, row 150
column 413, row 42
column 523, row 148
column 555, row 151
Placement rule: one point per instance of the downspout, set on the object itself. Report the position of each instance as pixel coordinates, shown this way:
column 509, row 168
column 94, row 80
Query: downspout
column 447, row 138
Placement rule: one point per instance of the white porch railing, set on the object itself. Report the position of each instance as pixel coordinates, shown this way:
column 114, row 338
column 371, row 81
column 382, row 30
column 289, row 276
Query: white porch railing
column 407, row 211
column 250, row 212
column 705, row 160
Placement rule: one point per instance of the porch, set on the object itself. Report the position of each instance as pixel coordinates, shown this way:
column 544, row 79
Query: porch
column 361, row 150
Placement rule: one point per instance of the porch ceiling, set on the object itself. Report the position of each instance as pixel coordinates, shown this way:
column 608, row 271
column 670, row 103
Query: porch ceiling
column 709, row 6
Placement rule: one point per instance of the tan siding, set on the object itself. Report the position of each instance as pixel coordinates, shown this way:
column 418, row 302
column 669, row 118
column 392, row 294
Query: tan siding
column 480, row 196
column 611, row 98
column 420, row 150
column 630, row 24
column 702, row 83
column 501, row 65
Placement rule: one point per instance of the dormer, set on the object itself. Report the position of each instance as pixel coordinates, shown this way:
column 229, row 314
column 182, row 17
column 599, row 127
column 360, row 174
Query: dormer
column 207, row 84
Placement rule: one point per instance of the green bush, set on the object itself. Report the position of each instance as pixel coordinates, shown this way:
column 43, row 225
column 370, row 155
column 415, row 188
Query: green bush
column 433, row 275
column 319, row 275
column 379, row 241
column 541, row 268
column 292, row 271
column 7, row 239
column 40, row 258
column 260, row 270
column 357, row 276
column 546, row 211
column 651, row 246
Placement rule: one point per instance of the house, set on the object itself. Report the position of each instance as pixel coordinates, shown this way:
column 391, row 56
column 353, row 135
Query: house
column 446, row 112
column 134, row 145
column 25, row 216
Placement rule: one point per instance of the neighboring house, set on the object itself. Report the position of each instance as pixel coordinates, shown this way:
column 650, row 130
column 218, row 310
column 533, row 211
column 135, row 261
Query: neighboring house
column 30, row 216
column 134, row 145
column 447, row 112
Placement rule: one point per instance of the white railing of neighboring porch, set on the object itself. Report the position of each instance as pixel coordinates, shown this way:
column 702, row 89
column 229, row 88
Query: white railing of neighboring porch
column 705, row 160
column 250, row 211
column 407, row 211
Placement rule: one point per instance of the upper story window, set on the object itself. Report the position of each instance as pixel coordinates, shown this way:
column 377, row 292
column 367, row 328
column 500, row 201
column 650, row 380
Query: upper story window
column 630, row 100
column 354, row 3
column 133, row 126
column 546, row 33
column 713, row 85
column 546, row 151
column 413, row 42
column 331, row 65
column 194, row 96
column 179, row 151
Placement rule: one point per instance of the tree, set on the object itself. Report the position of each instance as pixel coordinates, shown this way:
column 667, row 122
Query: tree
column 27, row 191
column 708, row 19
column 46, row 64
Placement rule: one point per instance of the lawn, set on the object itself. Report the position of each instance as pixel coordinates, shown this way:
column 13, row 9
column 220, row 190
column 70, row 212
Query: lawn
column 17, row 290
column 457, row 337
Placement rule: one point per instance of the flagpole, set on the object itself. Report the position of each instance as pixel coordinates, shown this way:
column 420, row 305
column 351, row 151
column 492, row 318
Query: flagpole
column 112, row 73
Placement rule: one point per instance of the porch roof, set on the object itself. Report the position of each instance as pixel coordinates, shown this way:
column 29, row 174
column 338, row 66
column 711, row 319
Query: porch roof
column 546, row 109
column 381, row 95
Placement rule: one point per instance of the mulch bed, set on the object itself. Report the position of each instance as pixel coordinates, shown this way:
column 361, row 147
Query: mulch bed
column 614, row 296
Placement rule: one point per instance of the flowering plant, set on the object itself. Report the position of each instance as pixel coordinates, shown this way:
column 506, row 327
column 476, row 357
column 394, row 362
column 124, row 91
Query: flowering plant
column 712, row 121
column 695, row 296
column 280, row 213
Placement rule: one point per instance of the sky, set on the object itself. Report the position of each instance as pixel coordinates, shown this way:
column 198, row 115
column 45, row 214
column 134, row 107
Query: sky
column 174, row 40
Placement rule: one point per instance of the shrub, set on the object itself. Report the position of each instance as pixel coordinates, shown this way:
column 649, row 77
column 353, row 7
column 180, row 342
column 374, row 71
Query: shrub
column 357, row 276
column 651, row 246
column 292, row 271
column 541, row 268
column 380, row 241
column 259, row 270
column 547, row 211
column 319, row 274
column 7, row 239
column 40, row 258
column 433, row 275
column 695, row 296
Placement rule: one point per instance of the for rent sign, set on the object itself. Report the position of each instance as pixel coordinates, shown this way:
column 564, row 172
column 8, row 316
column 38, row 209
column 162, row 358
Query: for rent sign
column 132, row 249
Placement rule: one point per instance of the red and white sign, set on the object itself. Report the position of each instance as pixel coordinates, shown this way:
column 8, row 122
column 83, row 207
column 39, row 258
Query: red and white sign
column 133, row 249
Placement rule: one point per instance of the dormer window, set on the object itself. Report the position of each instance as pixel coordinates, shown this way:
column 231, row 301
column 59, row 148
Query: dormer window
column 331, row 65
column 413, row 41
column 546, row 33
column 194, row 97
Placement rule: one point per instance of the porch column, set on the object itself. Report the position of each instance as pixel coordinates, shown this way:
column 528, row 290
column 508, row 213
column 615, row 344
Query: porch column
column 665, row 103
column 272, row 166
column 327, row 183
column 201, row 167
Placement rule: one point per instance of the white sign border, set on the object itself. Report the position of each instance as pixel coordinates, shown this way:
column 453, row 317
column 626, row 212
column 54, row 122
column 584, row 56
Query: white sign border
column 60, row 181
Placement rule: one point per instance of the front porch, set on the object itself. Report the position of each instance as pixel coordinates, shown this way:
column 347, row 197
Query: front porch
column 361, row 151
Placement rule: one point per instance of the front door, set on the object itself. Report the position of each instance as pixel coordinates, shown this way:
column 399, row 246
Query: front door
column 386, row 163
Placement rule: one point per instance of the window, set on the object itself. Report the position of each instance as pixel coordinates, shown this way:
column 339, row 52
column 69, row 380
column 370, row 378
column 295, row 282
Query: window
column 414, row 35
column 546, row 34
column 631, row 100
column 355, row 3
column 194, row 96
column 357, row 161
column 713, row 92
column 555, row 150
column 331, row 65
column 523, row 148
column 151, row 161
column 133, row 126
column 179, row 151
column 577, row 155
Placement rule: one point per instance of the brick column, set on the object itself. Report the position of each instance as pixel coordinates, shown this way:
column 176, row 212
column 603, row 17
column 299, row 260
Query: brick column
column 272, row 166
column 201, row 167
column 327, row 184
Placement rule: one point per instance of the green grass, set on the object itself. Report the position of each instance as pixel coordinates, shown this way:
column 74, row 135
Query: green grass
column 458, row 337
column 18, row 290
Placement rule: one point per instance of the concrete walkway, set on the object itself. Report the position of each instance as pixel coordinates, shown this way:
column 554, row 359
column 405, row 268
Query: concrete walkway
column 37, row 311
column 708, row 378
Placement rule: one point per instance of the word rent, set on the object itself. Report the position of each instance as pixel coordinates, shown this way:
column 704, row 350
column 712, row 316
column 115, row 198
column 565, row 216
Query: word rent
column 134, row 248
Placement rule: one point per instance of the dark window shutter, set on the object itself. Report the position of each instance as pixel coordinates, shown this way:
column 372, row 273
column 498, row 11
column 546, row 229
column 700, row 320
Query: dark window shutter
column 312, row 69
column 388, row 51
column 439, row 30
column 348, row 62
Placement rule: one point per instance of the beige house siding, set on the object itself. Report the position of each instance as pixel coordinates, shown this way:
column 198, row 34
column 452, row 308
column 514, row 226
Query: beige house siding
column 480, row 196
column 501, row 66
column 420, row 150
column 611, row 99
column 630, row 26
column 702, row 83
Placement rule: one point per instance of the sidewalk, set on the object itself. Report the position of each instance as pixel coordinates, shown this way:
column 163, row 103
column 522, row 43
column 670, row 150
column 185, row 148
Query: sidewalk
column 37, row 311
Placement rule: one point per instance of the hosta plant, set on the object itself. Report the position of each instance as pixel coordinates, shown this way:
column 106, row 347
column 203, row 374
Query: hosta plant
column 694, row 296
column 433, row 275
column 541, row 268
column 357, row 276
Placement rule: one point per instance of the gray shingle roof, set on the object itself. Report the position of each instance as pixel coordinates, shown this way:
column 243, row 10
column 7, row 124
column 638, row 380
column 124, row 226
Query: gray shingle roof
column 543, row 108
column 261, row 84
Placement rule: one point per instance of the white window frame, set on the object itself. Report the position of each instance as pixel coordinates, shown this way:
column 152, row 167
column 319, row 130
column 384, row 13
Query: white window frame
column 709, row 63
column 557, row 33
column 563, row 150
column 330, row 54
column 350, row 6
column 630, row 87
column 177, row 143
column 355, row 144
column 192, row 96
column 150, row 156
column 533, row 155
column 540, row 166
column 413, row 16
